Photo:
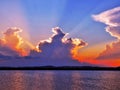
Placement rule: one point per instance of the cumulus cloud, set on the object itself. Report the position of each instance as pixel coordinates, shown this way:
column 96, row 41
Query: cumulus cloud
column 112, row 51
column 11, row 42
column 58, row 48
column 112, row 19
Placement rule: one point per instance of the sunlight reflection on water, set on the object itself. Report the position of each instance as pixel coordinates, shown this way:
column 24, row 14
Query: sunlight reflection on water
column 59, row 80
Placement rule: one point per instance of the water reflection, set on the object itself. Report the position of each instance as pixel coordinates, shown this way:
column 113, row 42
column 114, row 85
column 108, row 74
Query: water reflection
column 43, row 81
column 59, row 80
column 76, row 81
column 17, row 81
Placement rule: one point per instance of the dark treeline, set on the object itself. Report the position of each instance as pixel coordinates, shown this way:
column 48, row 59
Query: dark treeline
column 61, row 68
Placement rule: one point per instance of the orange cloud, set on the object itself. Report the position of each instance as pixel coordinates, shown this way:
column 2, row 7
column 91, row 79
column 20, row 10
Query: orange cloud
column 78, row 44
column 112, row 51
column 11, row 41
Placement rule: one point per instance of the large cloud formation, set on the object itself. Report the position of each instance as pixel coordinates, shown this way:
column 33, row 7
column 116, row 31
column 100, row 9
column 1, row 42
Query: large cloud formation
column 57, row 46
column 112, row 19
column 56, row 50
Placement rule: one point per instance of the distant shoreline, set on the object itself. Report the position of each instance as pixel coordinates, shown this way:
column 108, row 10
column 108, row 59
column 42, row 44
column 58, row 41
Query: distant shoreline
column 62, row 68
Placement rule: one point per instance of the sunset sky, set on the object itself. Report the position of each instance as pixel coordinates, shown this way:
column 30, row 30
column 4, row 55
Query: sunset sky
column 88, row 30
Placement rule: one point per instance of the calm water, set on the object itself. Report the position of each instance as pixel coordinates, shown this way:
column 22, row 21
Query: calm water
column 59, row 80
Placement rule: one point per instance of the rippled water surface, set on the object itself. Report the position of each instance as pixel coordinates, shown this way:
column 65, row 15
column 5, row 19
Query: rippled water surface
column 59, row 80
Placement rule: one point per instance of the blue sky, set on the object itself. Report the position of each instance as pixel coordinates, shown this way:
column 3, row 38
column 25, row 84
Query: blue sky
column 73, row 16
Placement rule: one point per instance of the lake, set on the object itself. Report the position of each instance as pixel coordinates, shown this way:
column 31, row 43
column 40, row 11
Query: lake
column 59, row 80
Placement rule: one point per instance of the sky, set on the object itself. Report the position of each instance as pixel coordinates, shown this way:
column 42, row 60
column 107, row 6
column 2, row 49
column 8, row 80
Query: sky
column 33, row 28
